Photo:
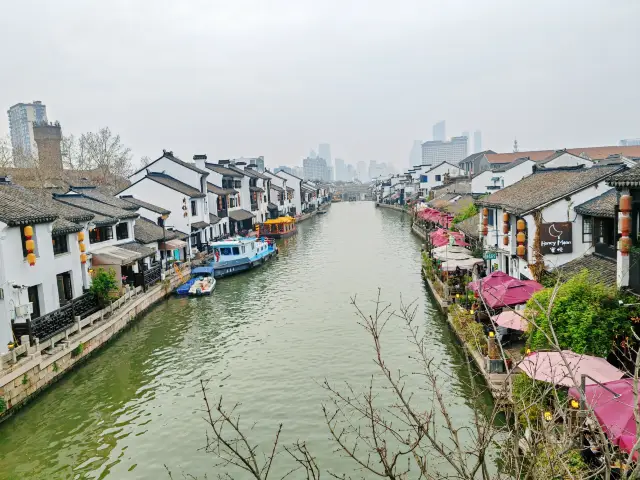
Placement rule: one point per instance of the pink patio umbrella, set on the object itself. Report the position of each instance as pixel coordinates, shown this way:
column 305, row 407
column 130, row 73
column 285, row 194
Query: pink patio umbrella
column 549, row 367
column 492, row 280
column 511, row 319
column 626, row 444
column 511, row 293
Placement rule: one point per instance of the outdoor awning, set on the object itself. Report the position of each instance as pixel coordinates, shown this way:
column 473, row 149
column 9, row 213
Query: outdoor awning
column 173, row 245
column 213, row 219
column 120, row 255
column 272, row 206
column 240, row 215
column 198, row 225
column 256, row 189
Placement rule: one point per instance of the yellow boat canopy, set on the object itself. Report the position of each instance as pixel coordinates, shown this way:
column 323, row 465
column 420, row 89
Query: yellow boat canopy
column 279, row 220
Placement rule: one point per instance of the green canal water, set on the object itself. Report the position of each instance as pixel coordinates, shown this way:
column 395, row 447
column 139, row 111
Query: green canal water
column 266, row 339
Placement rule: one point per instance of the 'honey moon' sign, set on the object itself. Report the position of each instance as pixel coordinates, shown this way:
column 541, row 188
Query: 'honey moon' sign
column 556, row 238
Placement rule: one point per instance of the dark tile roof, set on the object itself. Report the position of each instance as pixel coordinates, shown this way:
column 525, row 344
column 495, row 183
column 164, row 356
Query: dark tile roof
column 601, row 206
column 145, row 231
column 509, row 166
column 139, row 249
column 470, row 226
column 94, row 206
column 256, row 189
column 628, row 178
column 272, row 206
column 213, row 219
column 62, row 226
column 22, row 207
column 474, row 156
column 289, row 189
column 173, row 184
column 95, row 194
column 222, row 170
column 240, row 215
column 102, row 220
column 142, row 204
column 170, row 156
column 546, row 185
column 277, row 188
column 219, row 190
column 199, row 225
column 601, row 270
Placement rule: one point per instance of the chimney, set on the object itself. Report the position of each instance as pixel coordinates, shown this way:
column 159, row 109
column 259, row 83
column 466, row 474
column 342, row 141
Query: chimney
column 223, row 162
column 200, row 160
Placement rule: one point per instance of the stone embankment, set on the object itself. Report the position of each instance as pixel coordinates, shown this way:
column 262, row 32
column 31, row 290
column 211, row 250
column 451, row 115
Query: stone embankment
column 392, row 207
column 28, row 370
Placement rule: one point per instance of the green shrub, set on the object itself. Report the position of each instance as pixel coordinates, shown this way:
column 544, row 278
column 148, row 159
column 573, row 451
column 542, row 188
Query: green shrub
column 469, row 330
column 3, row 405
column 552, row 462
column 586, row 317
column 76, row 352
column 55, row 367
column 468, row 212
column 25, row 379
column 103, row 285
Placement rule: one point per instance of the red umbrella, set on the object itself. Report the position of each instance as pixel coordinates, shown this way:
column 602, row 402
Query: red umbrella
column 492, row 280
column 508, row 294
column 614, row 411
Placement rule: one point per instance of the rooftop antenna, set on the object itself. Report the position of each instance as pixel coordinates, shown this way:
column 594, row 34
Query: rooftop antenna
column 515, row 146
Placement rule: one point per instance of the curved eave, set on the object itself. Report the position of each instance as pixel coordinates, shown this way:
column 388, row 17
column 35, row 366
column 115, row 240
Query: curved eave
column 31, row 220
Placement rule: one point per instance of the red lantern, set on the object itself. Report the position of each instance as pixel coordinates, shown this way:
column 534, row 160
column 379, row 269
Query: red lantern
column 505, row 240
column 485, row 230
column 505, row 228
column 505, row 217
column 485, row 221
column 625, row 225
column 625, row 203
column 521, row 225
column 521, row 237
column 485, row 212
column 31, row 258
column 520, row 250
column 625, row 245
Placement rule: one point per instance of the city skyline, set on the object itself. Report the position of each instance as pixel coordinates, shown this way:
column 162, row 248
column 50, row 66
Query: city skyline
column 210, row 44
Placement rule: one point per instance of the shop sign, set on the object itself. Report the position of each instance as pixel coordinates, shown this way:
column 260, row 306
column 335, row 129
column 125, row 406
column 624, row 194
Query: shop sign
column 556, row 238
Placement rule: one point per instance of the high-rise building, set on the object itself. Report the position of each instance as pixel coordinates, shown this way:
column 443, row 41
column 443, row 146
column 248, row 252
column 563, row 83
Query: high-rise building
column 361, row 172
column 415, row 157
column 466, row 134
column 341, row 170
column 630, row 142
column 284, row 168
column 316, row 169
column 477, row 141
column 324, row 151
column 436, row 152
column 440, row 132
column 21, row 118
column 258, row 162
column 351, row 173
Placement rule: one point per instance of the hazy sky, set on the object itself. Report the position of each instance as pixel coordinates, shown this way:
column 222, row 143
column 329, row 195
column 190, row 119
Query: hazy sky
column 276, row 77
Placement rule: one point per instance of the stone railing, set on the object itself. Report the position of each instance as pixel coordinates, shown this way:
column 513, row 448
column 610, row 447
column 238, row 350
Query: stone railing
column 8, row 361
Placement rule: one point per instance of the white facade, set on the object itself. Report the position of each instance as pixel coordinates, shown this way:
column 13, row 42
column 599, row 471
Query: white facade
column 279, row 198
column 567, row 159
column 296, row 184
column 435, row 176
column 561, row 210
column 16, row 275
column 489, row 181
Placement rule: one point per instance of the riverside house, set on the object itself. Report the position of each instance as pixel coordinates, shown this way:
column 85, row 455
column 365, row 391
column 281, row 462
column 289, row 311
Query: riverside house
column 436, row 176
column 179, row 187
column 545, row 200
column 294, row 192
column 279, row 204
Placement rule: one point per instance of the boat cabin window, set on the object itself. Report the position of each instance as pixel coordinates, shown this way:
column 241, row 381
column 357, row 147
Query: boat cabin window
column 252, row 246
column 236, row 251
column 242, row 248
column 225, row 251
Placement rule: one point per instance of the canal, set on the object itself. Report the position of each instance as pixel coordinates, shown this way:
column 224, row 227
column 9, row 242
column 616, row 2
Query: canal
column 266, row 339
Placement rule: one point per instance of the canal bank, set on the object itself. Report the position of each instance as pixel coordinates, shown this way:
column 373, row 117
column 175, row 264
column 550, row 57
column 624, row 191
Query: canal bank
column 267, row 339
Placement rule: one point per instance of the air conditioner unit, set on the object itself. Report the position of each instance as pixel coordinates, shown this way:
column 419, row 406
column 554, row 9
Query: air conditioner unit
column 24, row 310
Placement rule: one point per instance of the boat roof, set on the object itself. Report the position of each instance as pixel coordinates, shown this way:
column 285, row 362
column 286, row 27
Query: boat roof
column 233, row 242
column 201, row 270
column 280, row 220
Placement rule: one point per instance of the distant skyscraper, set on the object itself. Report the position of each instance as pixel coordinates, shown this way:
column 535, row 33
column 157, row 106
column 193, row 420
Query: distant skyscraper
column 21, row 118
column 434, row 153
column 313, row 154
column 285, row 169
column 341, row 170
column 316, row 169
column 415, row 157
column 351, row 173
column 361, row 172
column 324, row 151
column 466, row 134
column 477, row 141
column 630, row 142
column 440, row 132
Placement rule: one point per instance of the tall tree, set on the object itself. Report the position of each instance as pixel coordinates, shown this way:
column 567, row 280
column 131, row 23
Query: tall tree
column 107, row 153
column 6, row 155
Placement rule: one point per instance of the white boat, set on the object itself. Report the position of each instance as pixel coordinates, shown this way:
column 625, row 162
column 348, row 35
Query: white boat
column 204, row 282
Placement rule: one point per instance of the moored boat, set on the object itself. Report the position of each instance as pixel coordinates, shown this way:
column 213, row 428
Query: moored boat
column 204, row 281
column 240, row 254
column 281, row 227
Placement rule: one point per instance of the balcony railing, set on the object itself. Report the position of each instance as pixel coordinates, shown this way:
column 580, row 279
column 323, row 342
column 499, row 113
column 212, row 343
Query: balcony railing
column 222, row 212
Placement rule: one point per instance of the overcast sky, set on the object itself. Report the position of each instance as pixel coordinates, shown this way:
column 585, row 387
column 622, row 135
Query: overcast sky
column 276, row 77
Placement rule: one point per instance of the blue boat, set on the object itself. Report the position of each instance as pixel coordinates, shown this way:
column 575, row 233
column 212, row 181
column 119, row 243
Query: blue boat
column 240, row 254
